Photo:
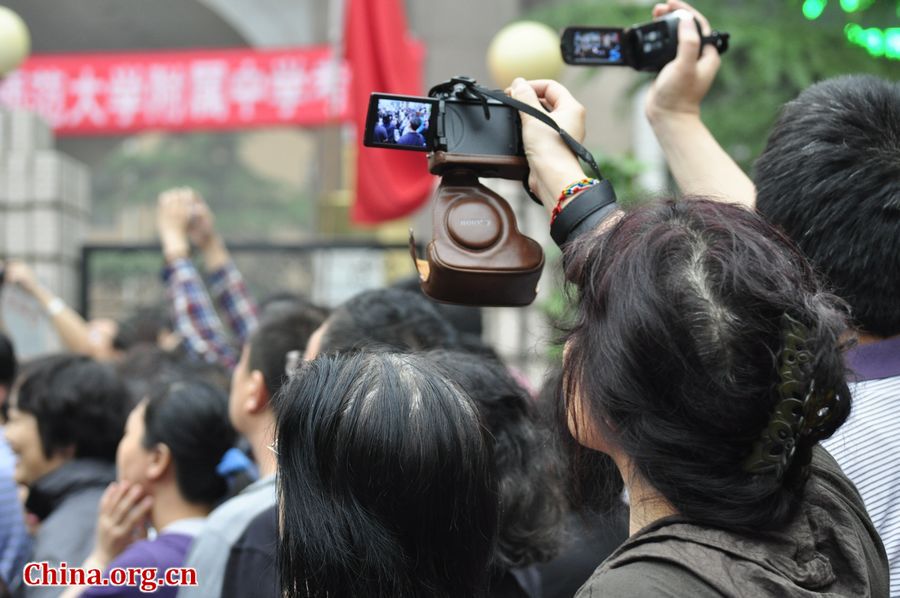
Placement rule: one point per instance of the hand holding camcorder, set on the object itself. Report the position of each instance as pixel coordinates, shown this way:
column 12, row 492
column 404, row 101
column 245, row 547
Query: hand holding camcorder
column 645, row 47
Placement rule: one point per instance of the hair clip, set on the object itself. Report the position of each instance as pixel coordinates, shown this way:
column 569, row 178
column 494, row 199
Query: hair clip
column 775, row 449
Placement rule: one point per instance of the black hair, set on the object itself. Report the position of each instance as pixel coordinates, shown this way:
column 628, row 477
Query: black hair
column 415, row 122
column 191, row 418
column 284, row 327
column 674, row 353
column 385, row 481
column 278, row 300
column 78, row 403
column 392, row 318
column 466, row 319
column 8, row 368
column 830, row 178
column 144, row 366
column 591, row 481
column 142, row 327
column 532, row 504
column 8, row 364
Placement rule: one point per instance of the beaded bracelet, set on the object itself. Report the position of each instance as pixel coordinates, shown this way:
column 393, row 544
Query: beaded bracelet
column 568, row 192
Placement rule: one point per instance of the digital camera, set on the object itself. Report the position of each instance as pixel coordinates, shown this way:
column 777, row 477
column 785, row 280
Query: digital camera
column 451, row 123
column 646, row 47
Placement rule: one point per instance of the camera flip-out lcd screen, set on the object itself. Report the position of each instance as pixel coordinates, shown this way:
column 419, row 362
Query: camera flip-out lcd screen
column 597, row 46
column 400, row 123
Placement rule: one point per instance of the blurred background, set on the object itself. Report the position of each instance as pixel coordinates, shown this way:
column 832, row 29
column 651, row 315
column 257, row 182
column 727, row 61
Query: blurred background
column 78, row 197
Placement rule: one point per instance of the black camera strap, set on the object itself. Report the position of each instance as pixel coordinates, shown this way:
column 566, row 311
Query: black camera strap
column 482, row 93
column 597, row 203
column 577, row 149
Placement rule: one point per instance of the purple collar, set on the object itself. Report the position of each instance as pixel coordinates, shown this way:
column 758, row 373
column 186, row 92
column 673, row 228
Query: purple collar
column 875, row 361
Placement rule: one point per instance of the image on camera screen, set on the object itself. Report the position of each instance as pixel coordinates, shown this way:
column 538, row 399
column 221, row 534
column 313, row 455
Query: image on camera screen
column 598, row 47
column 403, row 123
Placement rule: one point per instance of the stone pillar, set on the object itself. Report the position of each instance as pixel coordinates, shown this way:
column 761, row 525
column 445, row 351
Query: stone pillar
column 44, row 205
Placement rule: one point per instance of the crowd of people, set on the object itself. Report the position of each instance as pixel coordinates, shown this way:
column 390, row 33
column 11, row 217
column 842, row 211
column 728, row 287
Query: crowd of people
column 402, row 123
column 720, row 423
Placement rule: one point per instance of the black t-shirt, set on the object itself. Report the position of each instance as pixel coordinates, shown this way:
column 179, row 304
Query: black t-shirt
column 251, row 570
column 251, row 565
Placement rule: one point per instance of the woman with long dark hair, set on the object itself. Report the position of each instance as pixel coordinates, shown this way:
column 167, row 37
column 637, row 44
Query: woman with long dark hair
column 532, row 503
column 385, row 481
column 706, row 360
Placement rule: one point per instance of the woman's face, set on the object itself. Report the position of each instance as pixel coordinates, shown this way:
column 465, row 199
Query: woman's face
column 582, row 426
column 133, row 460
column 25, row 441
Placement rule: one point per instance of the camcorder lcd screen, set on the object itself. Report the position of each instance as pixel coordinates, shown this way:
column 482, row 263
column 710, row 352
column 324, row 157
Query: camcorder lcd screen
column 596, row 46
column 400, row 122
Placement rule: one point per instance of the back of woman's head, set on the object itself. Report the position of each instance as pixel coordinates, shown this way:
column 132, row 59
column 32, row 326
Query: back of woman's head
column 696, row 321
column 79, row 404
column 531, row 497
column 392, row 318
column 386, row 485
column 191, row 419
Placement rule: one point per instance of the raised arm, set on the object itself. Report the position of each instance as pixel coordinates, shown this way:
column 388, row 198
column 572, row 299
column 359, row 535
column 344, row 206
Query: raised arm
column 77, row 335
column 226, row 284
column 194, row 315
column 554, row 168
column 697, row 161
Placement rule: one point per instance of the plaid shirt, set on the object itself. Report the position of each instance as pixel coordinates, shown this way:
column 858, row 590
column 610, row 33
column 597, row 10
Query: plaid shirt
column 195, row 317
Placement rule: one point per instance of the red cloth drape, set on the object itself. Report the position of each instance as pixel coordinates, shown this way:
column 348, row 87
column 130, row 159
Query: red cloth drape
column 383, row 57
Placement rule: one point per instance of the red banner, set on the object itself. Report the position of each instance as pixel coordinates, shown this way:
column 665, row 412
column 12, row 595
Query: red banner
column 108, row 94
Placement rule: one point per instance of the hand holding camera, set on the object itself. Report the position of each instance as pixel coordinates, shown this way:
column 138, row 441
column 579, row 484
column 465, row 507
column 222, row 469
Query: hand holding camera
column 683, row 83
column 532, row 133
column 646, row 47
column 553, row 165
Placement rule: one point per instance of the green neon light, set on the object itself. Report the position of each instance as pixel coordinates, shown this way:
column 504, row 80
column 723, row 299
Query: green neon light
column 892, row 43
column 856, row 5
column 813, row 9
column 879, row 43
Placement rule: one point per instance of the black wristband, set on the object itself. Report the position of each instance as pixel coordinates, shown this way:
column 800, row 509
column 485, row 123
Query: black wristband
column 590, row 207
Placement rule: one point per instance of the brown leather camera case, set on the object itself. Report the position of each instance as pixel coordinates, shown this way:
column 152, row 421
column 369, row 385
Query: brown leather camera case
column 477, row 255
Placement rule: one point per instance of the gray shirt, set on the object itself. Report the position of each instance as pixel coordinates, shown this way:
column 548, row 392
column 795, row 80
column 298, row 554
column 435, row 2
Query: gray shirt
column 212, row 547
column 67, row 500
column 828, row 548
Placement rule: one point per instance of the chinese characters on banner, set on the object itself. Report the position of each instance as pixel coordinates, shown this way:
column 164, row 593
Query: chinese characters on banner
column 102, row 94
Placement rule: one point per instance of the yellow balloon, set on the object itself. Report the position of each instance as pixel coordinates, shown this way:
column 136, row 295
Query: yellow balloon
column 525, row 49
column 15, row 42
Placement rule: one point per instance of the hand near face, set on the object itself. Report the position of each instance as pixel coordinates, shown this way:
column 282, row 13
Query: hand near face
column 124, row 513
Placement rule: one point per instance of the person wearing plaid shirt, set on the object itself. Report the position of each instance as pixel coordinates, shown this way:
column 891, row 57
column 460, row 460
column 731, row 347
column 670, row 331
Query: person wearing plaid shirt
column 184, row 217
